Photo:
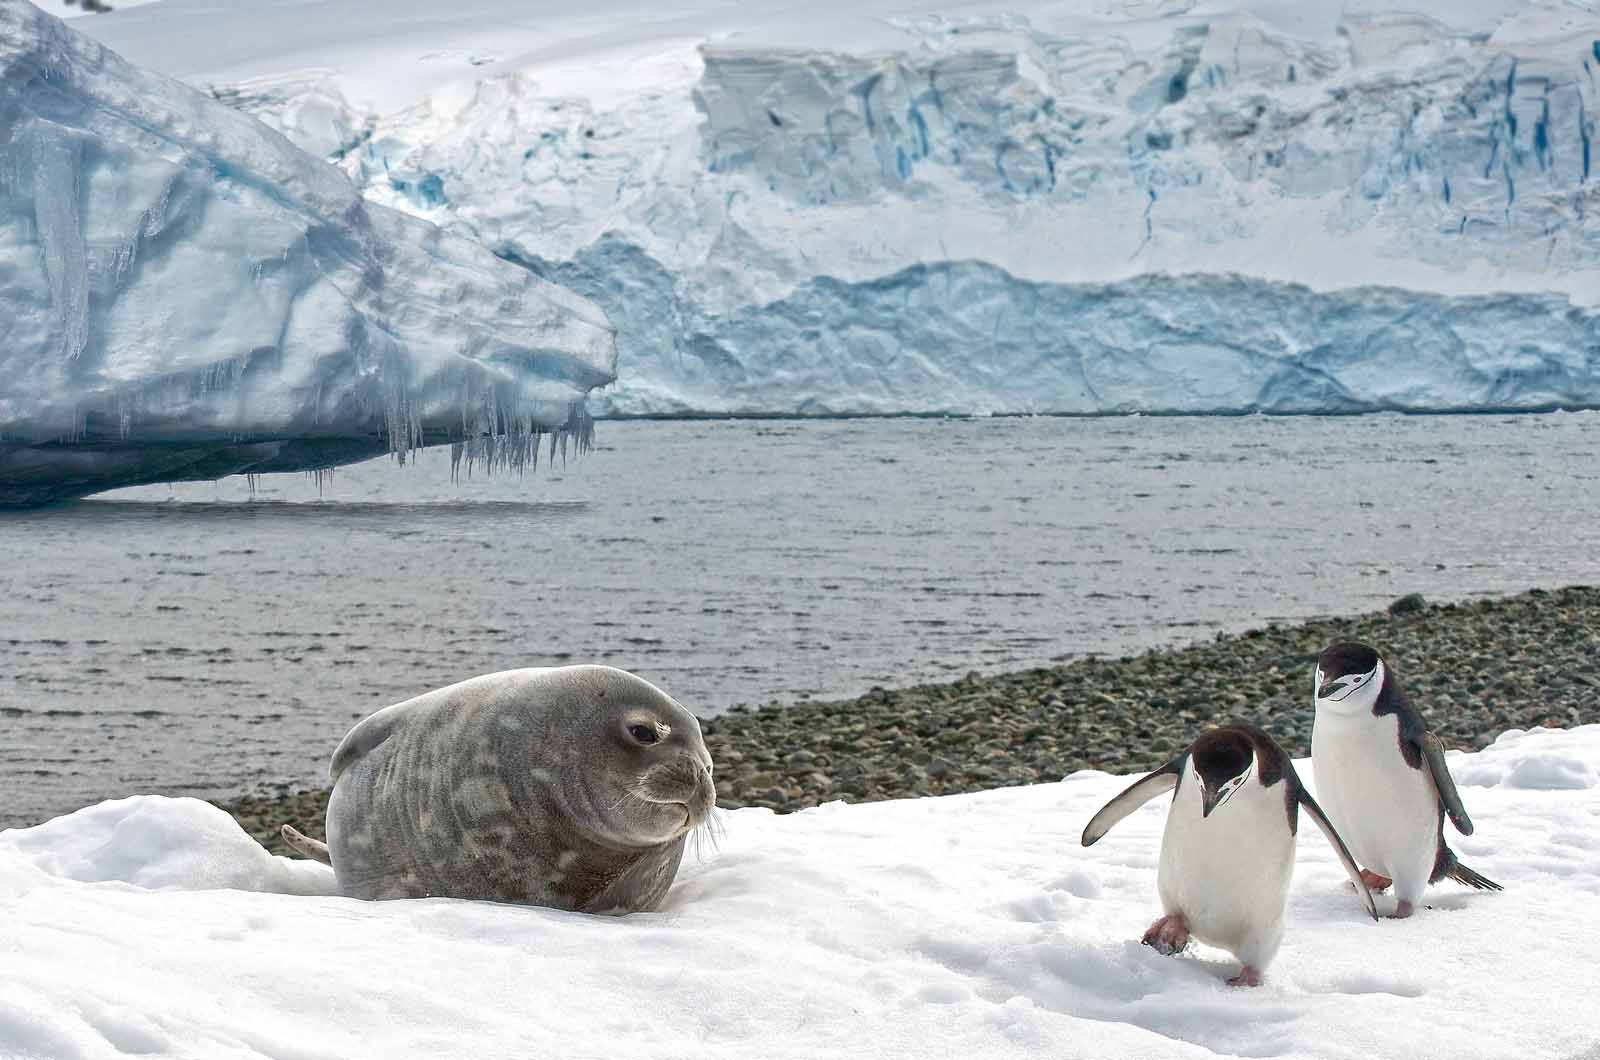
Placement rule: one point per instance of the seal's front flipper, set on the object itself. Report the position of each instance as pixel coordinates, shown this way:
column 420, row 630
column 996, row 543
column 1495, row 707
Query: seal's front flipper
column 311, row 848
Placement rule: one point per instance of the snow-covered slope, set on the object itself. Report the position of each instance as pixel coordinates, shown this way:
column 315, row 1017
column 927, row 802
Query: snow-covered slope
column 185, row 294
column 1075, row 206
column 963, row 926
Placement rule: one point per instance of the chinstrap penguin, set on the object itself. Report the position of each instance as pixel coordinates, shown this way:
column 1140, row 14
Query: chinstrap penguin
column 1382, row 776
column 1228, row 849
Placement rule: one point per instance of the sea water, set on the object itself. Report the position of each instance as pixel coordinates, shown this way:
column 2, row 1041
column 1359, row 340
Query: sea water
column 211, row 638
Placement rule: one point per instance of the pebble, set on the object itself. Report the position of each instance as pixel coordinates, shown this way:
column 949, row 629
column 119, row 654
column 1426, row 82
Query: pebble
column 1410, row 604
column 1474, row 670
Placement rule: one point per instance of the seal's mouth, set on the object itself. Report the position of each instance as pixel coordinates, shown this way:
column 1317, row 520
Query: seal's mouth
column 683, row 786
column 701, row 800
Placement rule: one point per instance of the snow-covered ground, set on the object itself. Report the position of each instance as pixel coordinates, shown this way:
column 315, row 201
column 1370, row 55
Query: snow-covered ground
column 971, row 925
column 875, row 206
column 185, row 294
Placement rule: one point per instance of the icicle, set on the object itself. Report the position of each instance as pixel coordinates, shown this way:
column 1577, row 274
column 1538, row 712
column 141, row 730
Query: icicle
column 57, row 191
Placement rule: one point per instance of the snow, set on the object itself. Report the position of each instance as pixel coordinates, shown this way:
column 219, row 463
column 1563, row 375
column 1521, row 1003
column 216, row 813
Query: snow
column 1537, row 763
column 1074, row 206
column 158, row 844
column 966, row 925
column 185, row 294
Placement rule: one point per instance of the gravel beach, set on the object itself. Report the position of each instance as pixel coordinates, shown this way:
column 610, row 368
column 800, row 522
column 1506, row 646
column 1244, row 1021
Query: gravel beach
column 1474, row 669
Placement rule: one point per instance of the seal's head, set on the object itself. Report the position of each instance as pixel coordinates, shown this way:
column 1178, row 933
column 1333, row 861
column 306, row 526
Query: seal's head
column 636, row 772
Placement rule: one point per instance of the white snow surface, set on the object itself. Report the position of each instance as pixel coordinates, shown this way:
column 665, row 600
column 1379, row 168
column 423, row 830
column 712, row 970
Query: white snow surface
column 886, row 206
column 184, row 293
column 971, row 925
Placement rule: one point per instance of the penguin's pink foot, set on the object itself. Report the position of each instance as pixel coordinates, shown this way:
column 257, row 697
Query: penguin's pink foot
column 1375, row 882
column 1168, row 935
column 1247, row 976
column 1402, row 910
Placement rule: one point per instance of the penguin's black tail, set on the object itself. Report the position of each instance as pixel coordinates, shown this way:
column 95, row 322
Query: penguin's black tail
column 1445, row 865
column 1461, row 874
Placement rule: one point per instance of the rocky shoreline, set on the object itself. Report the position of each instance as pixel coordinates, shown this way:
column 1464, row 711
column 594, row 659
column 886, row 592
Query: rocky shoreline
column 1474, row 669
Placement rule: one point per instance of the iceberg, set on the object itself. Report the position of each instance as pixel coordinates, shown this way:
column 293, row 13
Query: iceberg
column 1081, row 206
column 185, row 294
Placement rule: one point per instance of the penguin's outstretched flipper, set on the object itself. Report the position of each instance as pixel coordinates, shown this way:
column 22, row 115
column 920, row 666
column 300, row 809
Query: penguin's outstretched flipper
column 1314, row 811
column 1134, row 796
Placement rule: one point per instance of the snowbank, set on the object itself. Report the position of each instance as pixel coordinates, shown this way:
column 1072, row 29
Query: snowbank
column 185, row 294
column 968, row 925
column 1068, row 206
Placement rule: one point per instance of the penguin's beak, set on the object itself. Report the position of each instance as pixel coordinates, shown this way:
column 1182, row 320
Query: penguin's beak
column 1332, row 687
column 1209, row 799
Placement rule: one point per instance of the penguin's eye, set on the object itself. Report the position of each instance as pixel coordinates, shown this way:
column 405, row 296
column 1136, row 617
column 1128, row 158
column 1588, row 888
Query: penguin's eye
column 645, row 734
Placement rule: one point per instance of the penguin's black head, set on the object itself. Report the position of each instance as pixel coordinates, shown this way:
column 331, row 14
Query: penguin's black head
column 1223, row 759
column 1344, row 668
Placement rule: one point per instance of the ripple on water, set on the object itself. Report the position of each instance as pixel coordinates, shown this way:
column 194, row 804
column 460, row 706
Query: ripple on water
column 231, row 639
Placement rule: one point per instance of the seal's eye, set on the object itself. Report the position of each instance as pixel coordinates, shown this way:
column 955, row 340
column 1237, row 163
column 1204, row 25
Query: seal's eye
column 645, row 734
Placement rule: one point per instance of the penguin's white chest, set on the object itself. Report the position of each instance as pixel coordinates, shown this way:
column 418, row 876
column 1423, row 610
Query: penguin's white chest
column 1228, row 874
column 1386, row 811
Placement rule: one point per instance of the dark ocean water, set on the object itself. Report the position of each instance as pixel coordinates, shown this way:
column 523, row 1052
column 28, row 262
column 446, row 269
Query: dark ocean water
column 203, row 639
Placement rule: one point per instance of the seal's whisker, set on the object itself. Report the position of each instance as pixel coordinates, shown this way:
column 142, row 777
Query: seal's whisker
column 632, row 791
column 714, row 828
column 707, row 836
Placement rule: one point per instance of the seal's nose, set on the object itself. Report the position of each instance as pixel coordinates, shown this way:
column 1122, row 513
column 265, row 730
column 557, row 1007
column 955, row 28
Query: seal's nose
column 704, row 799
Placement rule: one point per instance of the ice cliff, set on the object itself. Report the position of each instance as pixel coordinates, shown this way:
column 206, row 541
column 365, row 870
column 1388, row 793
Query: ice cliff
column 1081, row 206
column 185, row 294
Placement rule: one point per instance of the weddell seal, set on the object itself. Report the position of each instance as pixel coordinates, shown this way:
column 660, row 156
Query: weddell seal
column 572, row 787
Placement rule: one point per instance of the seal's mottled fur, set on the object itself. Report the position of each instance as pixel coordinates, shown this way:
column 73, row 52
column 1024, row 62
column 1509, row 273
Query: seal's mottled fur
column 572, row 787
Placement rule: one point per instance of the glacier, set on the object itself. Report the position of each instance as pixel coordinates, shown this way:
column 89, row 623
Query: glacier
column 185, row 294
column 1077, row 207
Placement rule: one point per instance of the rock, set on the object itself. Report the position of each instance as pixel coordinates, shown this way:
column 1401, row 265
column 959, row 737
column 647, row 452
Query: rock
column 1409, row 604
column 1474, row 670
